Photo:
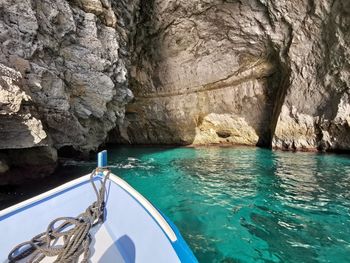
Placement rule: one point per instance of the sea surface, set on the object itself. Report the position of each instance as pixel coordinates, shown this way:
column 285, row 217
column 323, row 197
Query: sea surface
column 240, row 204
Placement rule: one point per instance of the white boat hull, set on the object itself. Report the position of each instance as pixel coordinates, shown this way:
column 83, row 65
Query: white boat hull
column 134, row 230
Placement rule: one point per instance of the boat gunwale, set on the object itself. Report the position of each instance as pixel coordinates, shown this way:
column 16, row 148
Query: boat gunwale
column 9, row 211
column 146, row 205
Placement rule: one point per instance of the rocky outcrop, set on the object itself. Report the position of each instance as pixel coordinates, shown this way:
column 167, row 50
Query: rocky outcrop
column 63, row 73
column 270, row 73
column 315, row 111
column 257, row 72
column 24, row 142
column 195, row 60
column 20, row 126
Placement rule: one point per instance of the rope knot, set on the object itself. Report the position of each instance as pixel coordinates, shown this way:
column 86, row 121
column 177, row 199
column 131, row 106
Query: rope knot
column 73, row 231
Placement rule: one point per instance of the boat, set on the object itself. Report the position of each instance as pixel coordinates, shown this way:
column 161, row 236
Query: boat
column 121, row 224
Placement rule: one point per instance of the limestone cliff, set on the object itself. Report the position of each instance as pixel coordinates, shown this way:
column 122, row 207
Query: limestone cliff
column 315, row 111
column 63, row 76
column 271, row 73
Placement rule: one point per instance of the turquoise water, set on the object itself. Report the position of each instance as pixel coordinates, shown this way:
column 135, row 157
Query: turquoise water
column 247, row 204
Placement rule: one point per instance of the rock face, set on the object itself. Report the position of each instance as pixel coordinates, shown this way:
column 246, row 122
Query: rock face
column 19, row 124
column 63, row 73
column 273, row 73
column 270, row 73
column 315, row 111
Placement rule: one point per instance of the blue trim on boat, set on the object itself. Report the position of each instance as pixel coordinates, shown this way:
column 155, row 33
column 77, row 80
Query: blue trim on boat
column 182, row 249
column 180, row 246
column 148, row 212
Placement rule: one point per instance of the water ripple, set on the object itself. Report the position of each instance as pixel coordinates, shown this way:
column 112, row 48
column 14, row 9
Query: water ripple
column 246, row 204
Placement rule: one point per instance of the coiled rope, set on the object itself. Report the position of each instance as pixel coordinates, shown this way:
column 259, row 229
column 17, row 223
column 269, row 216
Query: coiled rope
column 75, row 233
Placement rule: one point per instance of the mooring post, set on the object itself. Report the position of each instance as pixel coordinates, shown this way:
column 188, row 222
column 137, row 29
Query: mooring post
column 102, row 159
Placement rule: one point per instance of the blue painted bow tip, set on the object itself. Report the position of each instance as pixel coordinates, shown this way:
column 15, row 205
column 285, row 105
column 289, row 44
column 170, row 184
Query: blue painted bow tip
column 102, row 159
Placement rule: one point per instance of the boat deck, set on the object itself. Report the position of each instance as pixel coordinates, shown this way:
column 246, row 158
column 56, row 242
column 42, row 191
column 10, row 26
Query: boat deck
column 134, row 230
column 104, row 249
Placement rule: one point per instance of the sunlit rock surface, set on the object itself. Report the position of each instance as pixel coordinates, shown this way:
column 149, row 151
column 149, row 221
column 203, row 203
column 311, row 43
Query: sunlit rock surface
column 276, row 71
column 20, row 126
column 79, row 73
column 63, row 72
column 316, row 106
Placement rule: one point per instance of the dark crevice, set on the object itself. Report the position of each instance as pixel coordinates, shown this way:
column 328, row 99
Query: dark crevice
column 279, row 82
column 282, row 80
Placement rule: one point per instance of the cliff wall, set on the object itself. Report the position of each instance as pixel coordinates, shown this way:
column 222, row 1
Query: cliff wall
column 63, row 77
column 78, row 73
column 269, row 73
